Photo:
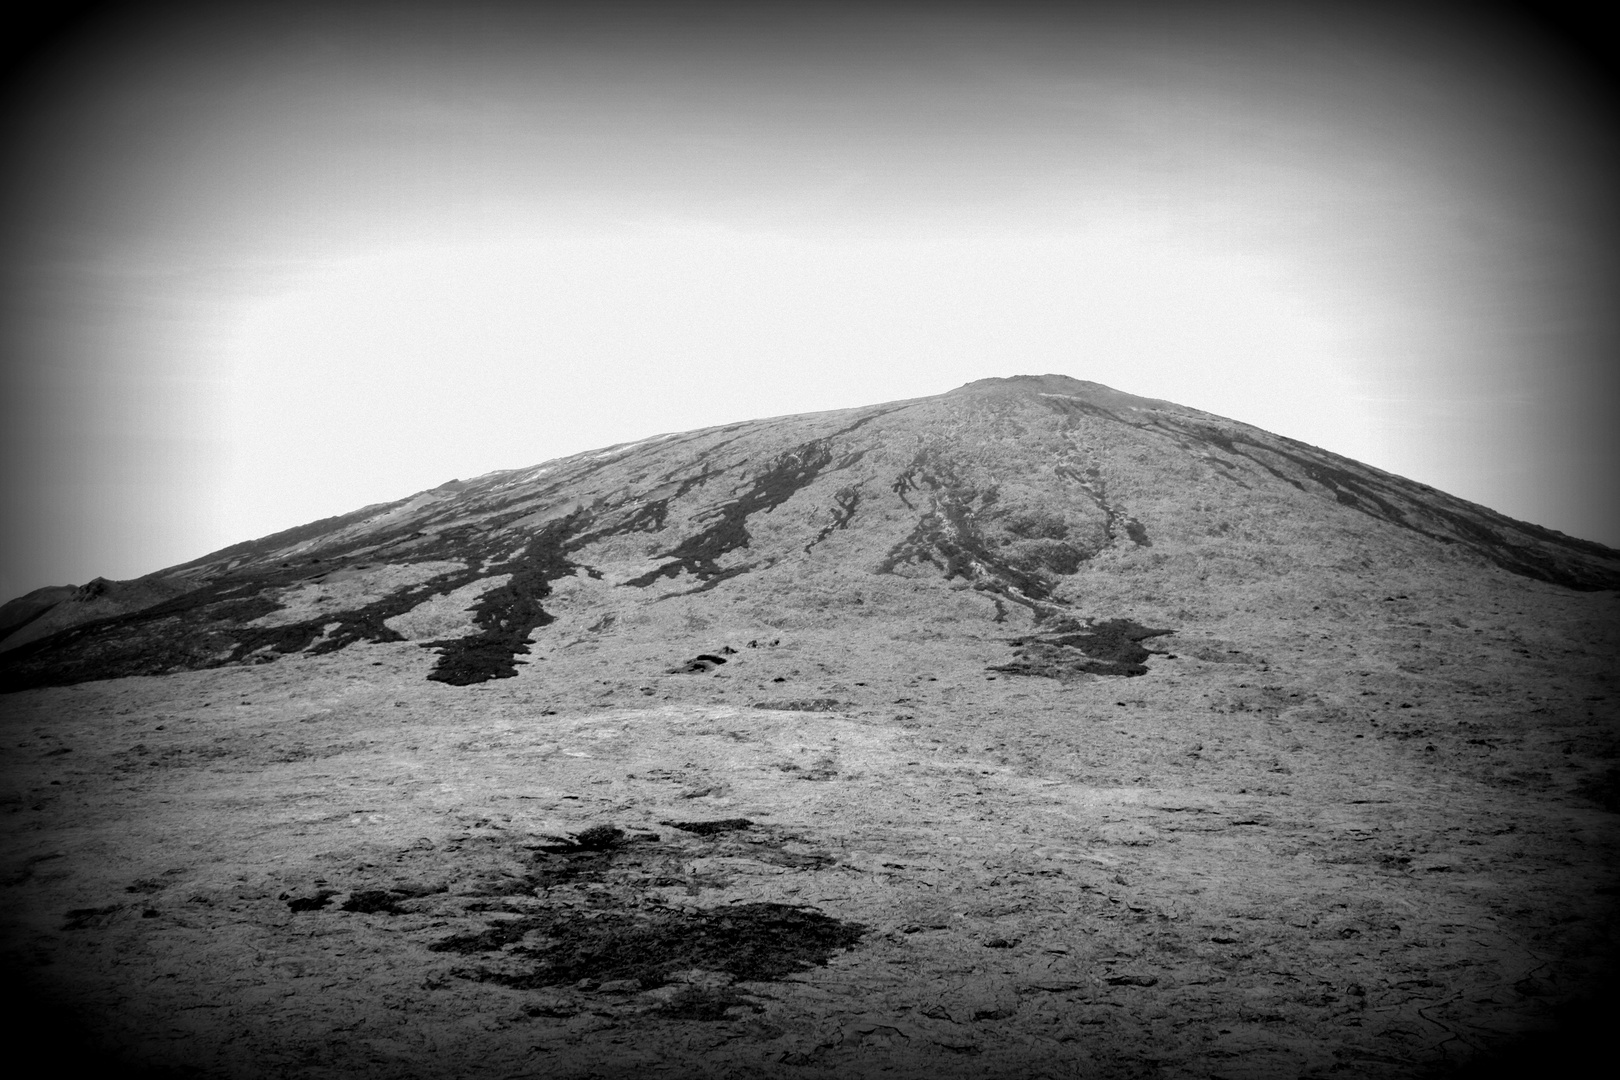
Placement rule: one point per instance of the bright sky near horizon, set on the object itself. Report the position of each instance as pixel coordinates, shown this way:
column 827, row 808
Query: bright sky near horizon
column 270, row 262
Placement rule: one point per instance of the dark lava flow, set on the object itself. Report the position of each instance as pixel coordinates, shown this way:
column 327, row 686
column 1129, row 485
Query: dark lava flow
column 603, row 925
column 698, row 554
column 508, row 614
column 1106, row 648
column 749, row 942
column 208, row 625
column 205, row 627
column 949, row 538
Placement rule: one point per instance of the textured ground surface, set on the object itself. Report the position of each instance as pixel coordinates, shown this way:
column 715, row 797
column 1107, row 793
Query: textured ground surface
column 1357, row 818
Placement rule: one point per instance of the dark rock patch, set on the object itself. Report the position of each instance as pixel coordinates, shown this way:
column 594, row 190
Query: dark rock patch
column 582, row 916
column 699, row 664
column 631, row 864
column 91, row 918
column 508, row 614
column 846, row 502
column 749, row 942
column 311, row 903
column 494, row 937
column 726, row 530
column 1015, row 553
column 205, row 627
column 821, row 704
column 374, row 902
column 709, row 828
column 1112, row 647
column 950, row 538
column 1133, row 980
column 593, row 856
column 597, row 838
column 651, row 515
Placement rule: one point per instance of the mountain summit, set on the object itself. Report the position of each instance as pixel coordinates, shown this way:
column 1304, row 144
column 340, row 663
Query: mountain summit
column 1024, row 491
column 1032, row 729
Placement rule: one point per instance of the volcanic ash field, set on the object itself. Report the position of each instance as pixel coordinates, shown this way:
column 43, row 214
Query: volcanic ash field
column 1030, row 730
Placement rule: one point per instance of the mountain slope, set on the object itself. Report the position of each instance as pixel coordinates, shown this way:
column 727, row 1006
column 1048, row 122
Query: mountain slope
column 1011, row 486
column 1033, row 729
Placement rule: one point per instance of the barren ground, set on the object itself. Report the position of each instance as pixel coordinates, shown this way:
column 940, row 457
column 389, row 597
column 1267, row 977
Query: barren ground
column 1357, row 838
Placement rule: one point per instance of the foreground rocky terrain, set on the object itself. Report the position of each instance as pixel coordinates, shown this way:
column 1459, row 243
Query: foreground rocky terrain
column 1030, row 730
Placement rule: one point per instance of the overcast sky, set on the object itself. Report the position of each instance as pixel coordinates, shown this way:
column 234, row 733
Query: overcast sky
column 266, row 263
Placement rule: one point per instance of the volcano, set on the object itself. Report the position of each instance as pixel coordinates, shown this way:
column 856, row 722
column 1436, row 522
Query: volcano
column 1034, row 728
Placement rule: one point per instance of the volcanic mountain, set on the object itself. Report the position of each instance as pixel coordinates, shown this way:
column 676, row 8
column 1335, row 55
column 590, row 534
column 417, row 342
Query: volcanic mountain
column 1032, row 726
column 1006, row 488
